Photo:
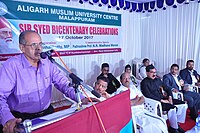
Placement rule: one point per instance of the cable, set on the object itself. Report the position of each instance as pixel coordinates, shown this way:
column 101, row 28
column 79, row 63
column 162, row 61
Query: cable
column 96, row 110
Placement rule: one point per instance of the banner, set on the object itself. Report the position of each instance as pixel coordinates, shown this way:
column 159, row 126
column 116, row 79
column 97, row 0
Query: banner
column 70, row 31
column 115, row 113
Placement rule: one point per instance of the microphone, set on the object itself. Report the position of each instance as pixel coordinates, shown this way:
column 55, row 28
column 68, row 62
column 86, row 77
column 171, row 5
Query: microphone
column 79, row 81
column 46, row 54
column 75, row 79
column 95, row 93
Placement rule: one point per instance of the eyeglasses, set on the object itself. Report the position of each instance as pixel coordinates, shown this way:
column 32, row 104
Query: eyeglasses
column 106, row 70
column 35, row 45
column 152, row 72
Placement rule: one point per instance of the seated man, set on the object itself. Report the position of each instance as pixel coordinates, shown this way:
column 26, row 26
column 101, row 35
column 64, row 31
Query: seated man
column 142, row 69
column 26, row 84
column 100, row 86
column 189, row 75
column 153, row 87
column 173, row 81
column 148, row 122
column 133, row 78
column 113, row 84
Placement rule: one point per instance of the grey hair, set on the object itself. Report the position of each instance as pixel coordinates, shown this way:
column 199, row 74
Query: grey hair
column 22, row 36
column 186, row 86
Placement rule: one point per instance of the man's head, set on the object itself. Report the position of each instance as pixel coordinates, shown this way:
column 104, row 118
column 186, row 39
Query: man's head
column 145, row 62
column 128, row 68
column 125, row 79
column 30, row 44
column 151, row 71
column 101, row 85
column 190, row 64
column 5, row 30
column 105, row 68
column 174, row 69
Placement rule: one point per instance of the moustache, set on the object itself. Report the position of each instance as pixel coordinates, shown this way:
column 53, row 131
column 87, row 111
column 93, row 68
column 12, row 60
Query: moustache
column 8, row 39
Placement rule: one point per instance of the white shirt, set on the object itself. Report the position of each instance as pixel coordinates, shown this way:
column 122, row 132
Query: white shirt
column 133, row 93
column 194, row 80
column 177, row 82
column 143, row 72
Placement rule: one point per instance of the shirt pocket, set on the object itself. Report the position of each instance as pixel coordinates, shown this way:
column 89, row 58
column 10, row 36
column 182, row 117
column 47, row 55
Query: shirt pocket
column 47, row 81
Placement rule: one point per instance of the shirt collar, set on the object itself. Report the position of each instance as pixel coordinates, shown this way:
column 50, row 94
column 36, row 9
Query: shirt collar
column 176, row 75
column 27, row 64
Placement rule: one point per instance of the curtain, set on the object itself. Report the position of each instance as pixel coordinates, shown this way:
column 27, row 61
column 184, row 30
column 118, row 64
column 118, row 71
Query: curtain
column 172, row 36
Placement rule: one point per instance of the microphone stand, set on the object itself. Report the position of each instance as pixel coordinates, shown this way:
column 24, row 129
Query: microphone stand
column 76, row 81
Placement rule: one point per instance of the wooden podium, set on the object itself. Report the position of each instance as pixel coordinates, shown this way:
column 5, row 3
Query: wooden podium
column 115, row 113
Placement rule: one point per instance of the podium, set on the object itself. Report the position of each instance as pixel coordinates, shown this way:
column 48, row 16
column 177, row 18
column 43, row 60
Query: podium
column 115, row 113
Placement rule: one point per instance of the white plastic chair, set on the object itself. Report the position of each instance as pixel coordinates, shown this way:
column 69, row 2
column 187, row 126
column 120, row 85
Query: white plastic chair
column 153, row 106
column 194, row 88
column 134, row 124
column 178, row 95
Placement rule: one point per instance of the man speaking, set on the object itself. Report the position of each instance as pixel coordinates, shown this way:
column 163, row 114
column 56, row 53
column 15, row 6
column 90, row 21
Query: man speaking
column 26, row 84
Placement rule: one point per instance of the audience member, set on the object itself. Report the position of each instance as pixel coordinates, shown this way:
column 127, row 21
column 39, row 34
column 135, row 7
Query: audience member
column 153, row 88
column 113, row 83
column 26, row 84
column 100, row 86
column 148, row 122
column 142, row 69
column 189, row 75
column 133, row 78
column 173, row 81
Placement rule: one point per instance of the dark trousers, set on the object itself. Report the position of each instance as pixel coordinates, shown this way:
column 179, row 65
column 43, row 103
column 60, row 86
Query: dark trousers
column 193, row 100
column 30, row 116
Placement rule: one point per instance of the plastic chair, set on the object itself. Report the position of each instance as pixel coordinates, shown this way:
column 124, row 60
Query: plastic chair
column 178, row 96
column 194, row 88
column 153, row 106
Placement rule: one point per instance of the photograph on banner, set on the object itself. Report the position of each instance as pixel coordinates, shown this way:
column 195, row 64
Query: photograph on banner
column 70, row 31
column 8, row 37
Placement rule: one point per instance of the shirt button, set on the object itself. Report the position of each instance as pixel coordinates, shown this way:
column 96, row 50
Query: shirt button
column 41, row 103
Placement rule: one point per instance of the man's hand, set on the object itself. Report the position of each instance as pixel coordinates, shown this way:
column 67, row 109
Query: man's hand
column 86, row 100
column 170, row 99
column 181, row 82
column 197, row 84
column 135, row 101
column 105, row 95
column 175, row 90
column 10, row 125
